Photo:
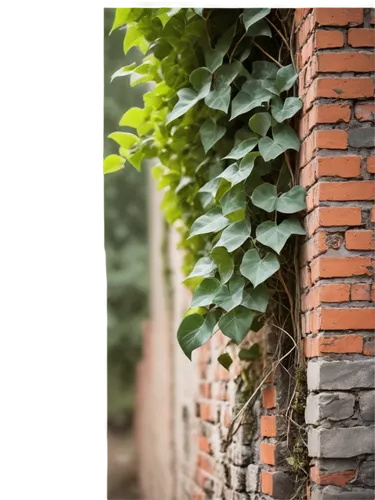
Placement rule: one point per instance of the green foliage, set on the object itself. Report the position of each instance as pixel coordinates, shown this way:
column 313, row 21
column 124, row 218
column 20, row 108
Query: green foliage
column 218, row 119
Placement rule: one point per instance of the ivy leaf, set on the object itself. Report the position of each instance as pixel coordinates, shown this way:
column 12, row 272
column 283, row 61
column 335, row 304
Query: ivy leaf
column 214, row 57
column 225, row 75
column 218, row 99
column 186, row 100
column 269, row 149
column 230, row 296
column 264, row 70
column 201, row 79
column 125, row 70
column 121, row 17
column 243, row 148
column 184, row 182
column 225, row 360
column 285, row 137
column 282, row 111
column 260, row 28
column 236, row 174
column 250, row 354
column 173, row 12
column 252, row 95
column 256, row 299
column 233, row 203
column 285, row 78
column 224, row 263
column 211, row 222
column 205, row 292
column 260, row 123
column 292, row 201
column 204, row 268
column 210, row 133
column 124, row 139
column 113, row 163
column 234, row 236
column 199, row 12
column 275, row 236
column 252, row 16
column 195, row 330
column 237, row 323
column 208, row 192
column 131, row 37
column 134, row 118
column 136, row 160
column 257, row 269
column 265, row 197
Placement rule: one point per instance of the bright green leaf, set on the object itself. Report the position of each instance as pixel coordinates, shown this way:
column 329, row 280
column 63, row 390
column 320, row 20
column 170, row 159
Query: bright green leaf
column 124, row 139
column 210, row 133
column 134, row 118
column 225, row 360
column 285, row 78
column 237, row 323
column 257, row 269
column 121, row 17
column 234, row 236
column 125, row 70
column 252, row 16
column 224, row 263
column 205, row 292
column 136, row 160
column 211, row 222
column 256, row 299
column 195, row 330
column 260, row 123
column 112, row 163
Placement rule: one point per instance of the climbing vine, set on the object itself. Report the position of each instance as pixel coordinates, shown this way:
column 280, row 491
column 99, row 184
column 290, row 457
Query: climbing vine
column 219, row 119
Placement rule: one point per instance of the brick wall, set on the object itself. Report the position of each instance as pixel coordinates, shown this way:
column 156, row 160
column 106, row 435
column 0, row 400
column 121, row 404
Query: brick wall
column 184, row 409
column 335, row 56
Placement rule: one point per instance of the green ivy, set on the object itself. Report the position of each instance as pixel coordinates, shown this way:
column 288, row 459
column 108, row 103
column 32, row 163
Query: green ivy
column 219, row 118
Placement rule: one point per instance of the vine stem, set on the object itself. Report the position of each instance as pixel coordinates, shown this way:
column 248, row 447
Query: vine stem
column 279, row 33
column 236, row 47
column 289, row 167
column 268, row 55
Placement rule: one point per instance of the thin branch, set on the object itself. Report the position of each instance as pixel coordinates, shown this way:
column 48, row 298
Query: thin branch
column 279, row 33
column 268, row 55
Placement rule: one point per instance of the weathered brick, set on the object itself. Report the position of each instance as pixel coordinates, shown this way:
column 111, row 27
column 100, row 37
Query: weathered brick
column 362, row 137
column 365, row 111
column 337, row 478
column 341, row 344
column 252, row 478
column 347, row 319
column 338, row 166
column 360, row 240
column 331, row 139
column 277, row 484
column 339, row 17
column 341, row 375
column 346, row 191
column 267, row 453
column 337, row 493
column 269, row 397
column 268, row 426
column 341, row 62
column 367, row 405
column 360, row 291
column 371, row 164
column 329, row 39
column 341, row 442
column 369, row 347
column 338, row 267
column 361, row 37
column 334, row 406
column 342, row 88
column 334, row 292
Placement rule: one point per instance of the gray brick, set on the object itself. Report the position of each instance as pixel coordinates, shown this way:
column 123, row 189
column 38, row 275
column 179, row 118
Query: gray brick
column 341, row 443
column 252, row 478
column 335, row 493
column 367, row 405
column 341, row 375
column 362, row 138
column 331, row 465
column 283, row 486
column 332, row 405
column 366, row 476
column 238, row 478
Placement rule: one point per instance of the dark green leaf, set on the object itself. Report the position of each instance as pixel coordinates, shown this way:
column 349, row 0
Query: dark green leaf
column 260, row 123
column 186, row 100
column 275, row 236
column 234, row 236
column 252, row 16
column 204, row 268
column 257, row 269
column 210, row 133
column 269, row 149
column 195, row 330
column 250, row 354
column 260, row 28
column 282, row 111
column 264, row 197
column 264, row 70
column 256, row 299
column 225, row 360
column 208, row 192
column 201, row 79
column 224, row 263
column 285, row 136
column 234, row 203
column 230, row 296
column 218, row 99
column 243, row 148
column 205, row 292
column 285, row 78
column 225, row 75
column 292, row 201
column 237, row 323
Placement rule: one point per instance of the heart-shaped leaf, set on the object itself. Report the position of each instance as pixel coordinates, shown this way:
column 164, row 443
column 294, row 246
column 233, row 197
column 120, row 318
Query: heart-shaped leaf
column 218, row 99
column 244, row 147
column 233, row 203
column 208, row 192
column 252, row 16
column 260, row 123
column 275, row 236
column 230, row 296
column 210, row 133
column 269, row 149
column 292, row 201
column 285, row 137
column 214, row 57
column 224, row 263
column 205, row 292
column 225, row 75
column 234, row 235
column 205, row 267
column 257, row 269
column 195, row 330
column 236, row 174
column 264, row 197
column 124, row 139
column 134, row 118
column 260, row 28
column 285, row 78
column 237, row 323
column 201, row 79
column 264, row 70
column 282, row 111
column 250, row 354
column 113, row 163
column 124, row 71
column 186, row 100
column 211, row 222
column 256, row 299
column 225, row 360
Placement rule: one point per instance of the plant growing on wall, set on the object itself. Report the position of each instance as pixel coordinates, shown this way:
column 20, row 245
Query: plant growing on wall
column 219, row 118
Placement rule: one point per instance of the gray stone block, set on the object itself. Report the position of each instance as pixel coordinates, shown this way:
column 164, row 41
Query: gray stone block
column 336, row 493
column 341, row 375
column 367, row 405
column 252, row 478
column 341, row 443
column 332, row 465
column 283, row 486
column 332, row 405
column 238, row 478
column 366, row 476
column 362, row 138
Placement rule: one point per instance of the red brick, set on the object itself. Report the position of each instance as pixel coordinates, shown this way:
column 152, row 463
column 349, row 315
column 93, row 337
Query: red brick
column 305, row 277
column 221, row 373
column 268, row 426
column 341, row 62
column 339, row 17
column 338, row 166
column 342, row 88
column 300, row 14
column 346, row 191
column 269, row 397
column 206, row 463
column 311, row 347
column 373, row 292
column 205, row 390
column 360, row 240
column 314, row 247
column 347, row 319
column 203, row 444
column 329, row 39
column 371, row 165
column 349, row 344
column 369, row 347
column 331, row 139
column 206, row 412
column 339, row 216
column 365, row 111
column 340, row 267
column 373, row 214
column 361, row 37
column 227, row 416
column 334, row 292
column 360, row 291
column 267, row 483
column 267, row 453
column 337, row 478
column 304, row 31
